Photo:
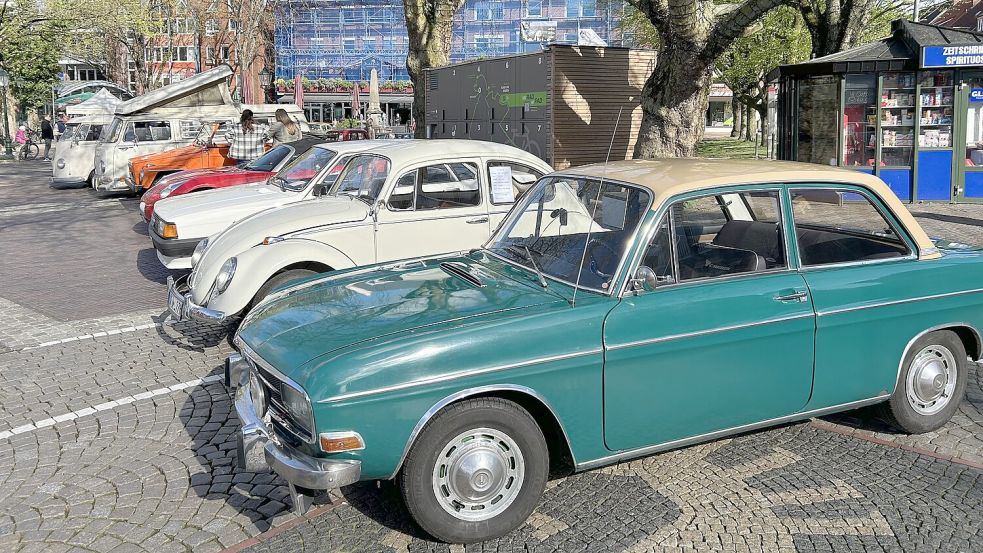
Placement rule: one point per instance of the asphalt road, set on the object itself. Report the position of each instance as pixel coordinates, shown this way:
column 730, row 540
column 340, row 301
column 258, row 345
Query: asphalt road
column 115, row 434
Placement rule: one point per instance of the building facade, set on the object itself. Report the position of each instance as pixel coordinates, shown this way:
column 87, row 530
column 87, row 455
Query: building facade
column 332, row 40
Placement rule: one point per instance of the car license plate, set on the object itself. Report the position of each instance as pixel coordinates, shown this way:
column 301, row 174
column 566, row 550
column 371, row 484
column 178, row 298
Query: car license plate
column 175, row 302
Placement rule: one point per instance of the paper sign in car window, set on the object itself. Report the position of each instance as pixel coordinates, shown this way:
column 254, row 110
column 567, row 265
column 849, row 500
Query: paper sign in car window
column 501, row 184
column 614, row 211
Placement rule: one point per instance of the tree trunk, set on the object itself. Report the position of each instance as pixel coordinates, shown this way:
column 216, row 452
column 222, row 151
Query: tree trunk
column 429, row 25
column 735, row 117
column 762, row 109
column 674, row 104
column 749, row 127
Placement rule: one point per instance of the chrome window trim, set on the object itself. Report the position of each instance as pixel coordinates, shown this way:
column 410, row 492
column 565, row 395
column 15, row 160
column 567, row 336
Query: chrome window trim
column 682, row 442
column 456, row 375
column 716, row 330
column 897, row 302
column 477, row 208
column 863, row 191
column 667, row 213
column 470, row 392
column 254, row 357
column 634, row 237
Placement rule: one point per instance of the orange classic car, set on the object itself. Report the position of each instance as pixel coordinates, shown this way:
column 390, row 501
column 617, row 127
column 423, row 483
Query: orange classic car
column 209, row 151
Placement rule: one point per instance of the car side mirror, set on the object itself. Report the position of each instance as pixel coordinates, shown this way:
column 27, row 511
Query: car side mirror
column 376, row 208
column 320, row 189
column 561, row 213
column 645, row 279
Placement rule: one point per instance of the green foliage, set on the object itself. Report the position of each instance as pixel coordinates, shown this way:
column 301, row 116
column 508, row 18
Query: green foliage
column 29, row 49
column 779, row 38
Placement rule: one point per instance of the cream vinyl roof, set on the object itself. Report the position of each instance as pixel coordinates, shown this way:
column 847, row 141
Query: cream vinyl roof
column 666, row 178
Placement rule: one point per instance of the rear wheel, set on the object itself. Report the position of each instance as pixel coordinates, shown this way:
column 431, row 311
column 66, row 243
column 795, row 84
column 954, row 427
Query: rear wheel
column 30, row 151
column 476, row 472
column 931, row 383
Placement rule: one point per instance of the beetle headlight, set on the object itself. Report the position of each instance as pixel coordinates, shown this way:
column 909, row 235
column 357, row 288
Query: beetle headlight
column 61, row 163
column 225, row 275
column 199, row 251
column 257, row 393
column 298, row 407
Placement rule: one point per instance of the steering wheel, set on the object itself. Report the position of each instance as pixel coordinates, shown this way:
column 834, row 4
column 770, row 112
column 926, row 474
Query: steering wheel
column 593, row 245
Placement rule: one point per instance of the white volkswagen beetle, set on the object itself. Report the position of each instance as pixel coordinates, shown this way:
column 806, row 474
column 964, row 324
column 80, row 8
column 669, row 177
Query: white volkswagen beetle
column 400, row 200
column 179, row 224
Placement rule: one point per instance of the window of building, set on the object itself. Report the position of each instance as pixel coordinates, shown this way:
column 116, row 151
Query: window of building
column 581, row 8
column 211, row 27
column 489, row 42
column 349, row 44
column 490, row 10
column 838, row 226
column 226, row 53
column 534, row 8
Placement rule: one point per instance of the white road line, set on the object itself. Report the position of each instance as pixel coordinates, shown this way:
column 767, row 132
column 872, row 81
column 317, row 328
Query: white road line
column 44, row 423
column 95, row 335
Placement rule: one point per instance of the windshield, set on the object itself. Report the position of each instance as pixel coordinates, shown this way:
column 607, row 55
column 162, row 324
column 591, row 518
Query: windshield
column 69, row 131
column 111, row 132
column 363, row 178
column 269, row 160
column 552, row 225
column 299, row 172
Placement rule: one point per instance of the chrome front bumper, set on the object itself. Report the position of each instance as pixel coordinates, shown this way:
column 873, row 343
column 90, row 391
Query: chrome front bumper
column 128, row 179
column 182, row 308
column 258, row 450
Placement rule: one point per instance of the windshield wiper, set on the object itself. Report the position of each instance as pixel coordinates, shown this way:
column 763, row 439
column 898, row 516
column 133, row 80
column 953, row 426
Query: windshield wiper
column 526, row 254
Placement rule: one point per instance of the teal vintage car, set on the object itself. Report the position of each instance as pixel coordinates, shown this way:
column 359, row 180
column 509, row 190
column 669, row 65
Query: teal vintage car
column 619, row 310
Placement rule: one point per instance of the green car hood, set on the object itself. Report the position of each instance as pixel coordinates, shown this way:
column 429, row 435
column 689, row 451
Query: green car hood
column 364, row 308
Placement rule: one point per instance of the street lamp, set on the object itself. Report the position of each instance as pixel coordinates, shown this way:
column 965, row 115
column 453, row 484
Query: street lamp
column 265, row 78
column 4, row 83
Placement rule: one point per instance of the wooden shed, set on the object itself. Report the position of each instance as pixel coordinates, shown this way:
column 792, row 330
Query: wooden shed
column 560, row 104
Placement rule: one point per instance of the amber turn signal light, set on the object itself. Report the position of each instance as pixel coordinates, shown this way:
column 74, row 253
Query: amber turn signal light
column 337, row 442
column 170, row 230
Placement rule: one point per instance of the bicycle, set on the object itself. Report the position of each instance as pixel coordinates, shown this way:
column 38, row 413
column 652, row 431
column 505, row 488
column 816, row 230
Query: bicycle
column 30, row 149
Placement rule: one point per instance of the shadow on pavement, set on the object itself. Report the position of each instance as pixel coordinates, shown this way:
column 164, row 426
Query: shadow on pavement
column 152, row 269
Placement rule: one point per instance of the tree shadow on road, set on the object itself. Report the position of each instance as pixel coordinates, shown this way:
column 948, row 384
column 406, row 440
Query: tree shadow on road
column 152, row 269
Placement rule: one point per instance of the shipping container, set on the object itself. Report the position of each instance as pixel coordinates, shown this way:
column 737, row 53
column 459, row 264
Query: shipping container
column 560, row 103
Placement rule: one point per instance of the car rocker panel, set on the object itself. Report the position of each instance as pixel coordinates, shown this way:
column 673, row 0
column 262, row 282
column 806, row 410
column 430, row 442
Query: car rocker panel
column 399, row 371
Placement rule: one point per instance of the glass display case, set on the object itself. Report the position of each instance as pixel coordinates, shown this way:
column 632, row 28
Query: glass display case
column 935, row 110
column 897, row 119
column 859, row 120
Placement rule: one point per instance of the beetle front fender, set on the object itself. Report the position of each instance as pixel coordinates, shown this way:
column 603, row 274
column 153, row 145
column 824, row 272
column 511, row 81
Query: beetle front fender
column 258, row 264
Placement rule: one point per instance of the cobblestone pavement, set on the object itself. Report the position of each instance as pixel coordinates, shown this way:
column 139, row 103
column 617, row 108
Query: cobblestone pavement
column 115, row 434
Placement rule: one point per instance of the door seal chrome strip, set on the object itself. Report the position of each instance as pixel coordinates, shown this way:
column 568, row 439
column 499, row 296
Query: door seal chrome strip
column 456, row 375
column 717, row 330
column 683, row 442
column 897, row 302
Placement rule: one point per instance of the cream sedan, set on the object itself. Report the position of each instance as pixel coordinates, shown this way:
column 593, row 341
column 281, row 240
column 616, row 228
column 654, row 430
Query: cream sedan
column 396, row 201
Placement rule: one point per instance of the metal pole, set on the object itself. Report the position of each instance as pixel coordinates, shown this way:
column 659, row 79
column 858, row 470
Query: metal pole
column 914, row 14
column 8, row 152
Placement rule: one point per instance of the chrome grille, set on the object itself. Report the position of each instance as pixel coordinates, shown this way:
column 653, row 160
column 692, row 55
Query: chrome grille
column 275, row 406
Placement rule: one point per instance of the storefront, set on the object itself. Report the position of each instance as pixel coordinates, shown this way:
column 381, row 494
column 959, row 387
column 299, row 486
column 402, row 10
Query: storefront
column 908, row 108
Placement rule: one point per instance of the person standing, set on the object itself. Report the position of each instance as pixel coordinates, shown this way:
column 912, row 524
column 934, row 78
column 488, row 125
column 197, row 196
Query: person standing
column 47, row 134
column 247, row 140
column 60, row 126
column 284, row 129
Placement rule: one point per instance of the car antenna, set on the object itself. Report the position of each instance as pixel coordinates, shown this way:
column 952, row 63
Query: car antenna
column 600, row 185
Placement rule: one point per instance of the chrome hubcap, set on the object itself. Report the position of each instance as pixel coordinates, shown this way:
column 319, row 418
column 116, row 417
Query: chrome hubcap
column 478, row 474
column 931, row 380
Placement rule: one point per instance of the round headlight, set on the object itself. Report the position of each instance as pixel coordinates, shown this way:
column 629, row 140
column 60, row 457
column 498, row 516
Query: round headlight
column 61, row 164
column 199, row 251
column 257, row 393
column 225, row 275
column 298, row 407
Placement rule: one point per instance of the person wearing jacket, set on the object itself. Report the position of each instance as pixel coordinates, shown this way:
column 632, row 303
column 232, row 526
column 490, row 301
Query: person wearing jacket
column 47, row 134
column 284, row 129
column 247, row 140
column 20, row 138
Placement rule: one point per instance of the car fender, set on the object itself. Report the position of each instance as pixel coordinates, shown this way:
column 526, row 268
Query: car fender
column 258, row 264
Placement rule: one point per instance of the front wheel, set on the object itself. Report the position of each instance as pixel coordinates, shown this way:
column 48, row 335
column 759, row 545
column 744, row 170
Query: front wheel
column 279, row 280
column 30, row 151
column 931, row 383
column 476, row 472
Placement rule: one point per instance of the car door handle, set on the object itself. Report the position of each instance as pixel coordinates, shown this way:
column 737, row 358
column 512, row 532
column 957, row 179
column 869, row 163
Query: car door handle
column 477, row 220
column 796, row 296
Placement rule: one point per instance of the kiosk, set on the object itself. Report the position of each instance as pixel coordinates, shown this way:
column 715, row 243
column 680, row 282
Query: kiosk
column 907, row 108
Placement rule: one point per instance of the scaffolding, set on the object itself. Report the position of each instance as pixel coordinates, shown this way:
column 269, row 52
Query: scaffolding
column 346, row 39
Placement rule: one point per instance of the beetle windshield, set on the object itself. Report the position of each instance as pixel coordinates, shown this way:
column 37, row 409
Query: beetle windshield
column 363, row 178
column 573, row 229
column 295, row 176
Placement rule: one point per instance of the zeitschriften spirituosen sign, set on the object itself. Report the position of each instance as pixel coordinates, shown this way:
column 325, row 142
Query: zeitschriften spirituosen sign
column 954, row 55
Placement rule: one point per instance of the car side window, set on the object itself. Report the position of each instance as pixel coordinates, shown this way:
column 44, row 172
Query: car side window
column 715, row 236
column 189, row 128
column 401, row 198
column 148, row 131
column 522, row 178
column 443, row 186
column 841, row 226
